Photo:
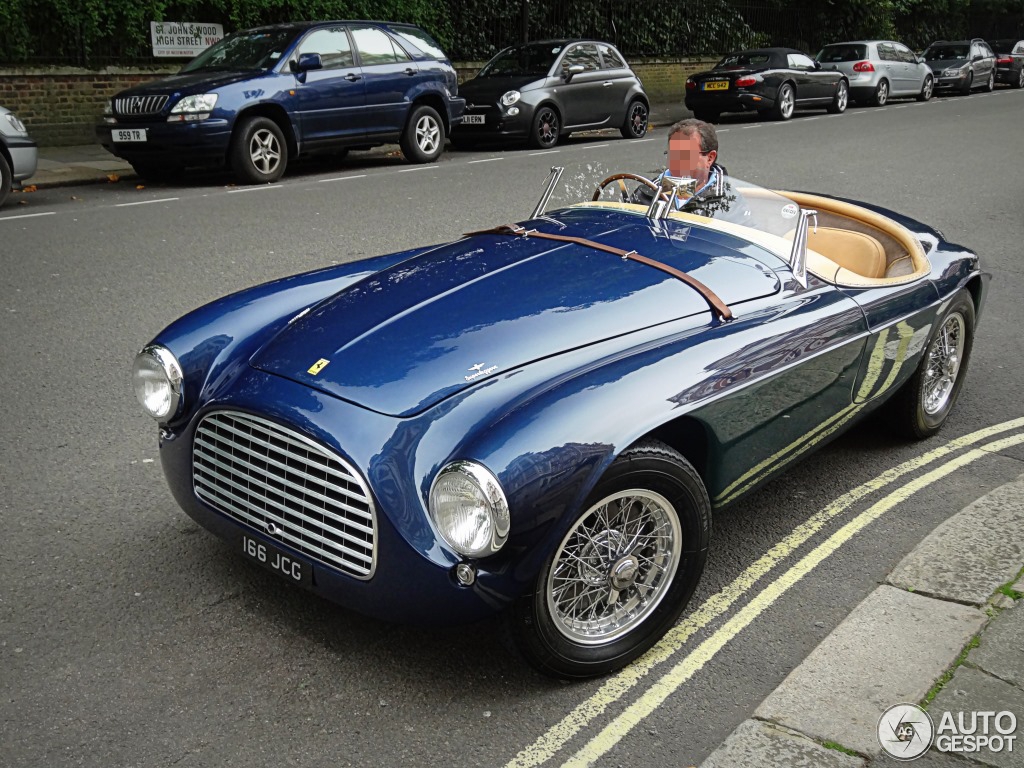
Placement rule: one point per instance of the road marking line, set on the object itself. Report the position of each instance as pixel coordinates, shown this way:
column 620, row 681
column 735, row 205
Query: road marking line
column 545, row 747
column 27, row 216
column 641, row 141
column 546, row 152
column 342, row 178
column 703, row 653
column 485, row 160
column 594, row 146
column 147, row 202
column 256, row 189
column 418, row 168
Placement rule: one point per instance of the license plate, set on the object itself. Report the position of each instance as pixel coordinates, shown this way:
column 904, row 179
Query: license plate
column 718, row 85
column 473, row 119
column 277, row 561
column 128, row 134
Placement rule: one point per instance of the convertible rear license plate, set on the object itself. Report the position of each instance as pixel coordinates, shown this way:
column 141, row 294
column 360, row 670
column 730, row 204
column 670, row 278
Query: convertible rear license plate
column 717, row 85
column 473, row 119
column 128, row 134
column 276, row 560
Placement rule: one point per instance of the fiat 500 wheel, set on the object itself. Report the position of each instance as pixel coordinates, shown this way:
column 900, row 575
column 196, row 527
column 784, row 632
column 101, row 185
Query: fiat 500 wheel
column 423, row 138
column 635, row 126
column 927, row 399
column 546, row 126
column 624, row 571
column 6, row 179
column 259, row 153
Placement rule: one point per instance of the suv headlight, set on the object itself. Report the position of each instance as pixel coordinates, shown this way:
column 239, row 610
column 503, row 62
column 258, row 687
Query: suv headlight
column 12, row 126
column 157, row 378
column 469, row 509
column 511, row 98
column 193, row 108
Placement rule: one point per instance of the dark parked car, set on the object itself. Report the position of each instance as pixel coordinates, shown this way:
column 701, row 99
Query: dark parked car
column 542, row 91
column 18, row 153
column 540, row 419
column 772, row 81
column 961, row 65
column 260, row 97
column 878, row 69
column 1009, row 61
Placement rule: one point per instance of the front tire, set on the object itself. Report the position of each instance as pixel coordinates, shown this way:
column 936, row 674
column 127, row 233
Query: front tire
column 635, row 125
column 926, row 400
column 546, row 125
column 991, row 84
column 624, row 572
column 6, row 179
column 423, row 138
column 259, row 153
column 927, row 89
column 785, row 104
column 881, row 95
column 841, row 99
column 968, row 85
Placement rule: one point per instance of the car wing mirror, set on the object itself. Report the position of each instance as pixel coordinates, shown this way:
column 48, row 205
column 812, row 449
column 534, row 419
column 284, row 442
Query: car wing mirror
column 817, row 65
column 307, row 62
column 798, row 254
column 556, row 174
column 572, row 71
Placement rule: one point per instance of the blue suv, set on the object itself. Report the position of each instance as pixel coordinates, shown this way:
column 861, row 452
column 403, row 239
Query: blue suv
column 262, row 96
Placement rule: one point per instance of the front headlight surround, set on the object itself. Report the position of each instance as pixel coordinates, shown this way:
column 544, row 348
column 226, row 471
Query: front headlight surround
column 157, row 379
column 195, row 107
column 510, row 98
column 469, row 510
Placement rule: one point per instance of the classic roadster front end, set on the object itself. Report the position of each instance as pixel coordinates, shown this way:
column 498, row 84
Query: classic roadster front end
column 539, row 419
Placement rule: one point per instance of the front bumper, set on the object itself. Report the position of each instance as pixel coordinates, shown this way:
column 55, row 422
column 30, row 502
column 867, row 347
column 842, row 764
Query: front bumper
column 200, row 143
column 24, row 157
column 955, row 83
column 498, row 123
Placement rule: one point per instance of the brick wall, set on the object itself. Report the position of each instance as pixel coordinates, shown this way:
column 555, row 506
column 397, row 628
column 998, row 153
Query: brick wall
column 60, row 106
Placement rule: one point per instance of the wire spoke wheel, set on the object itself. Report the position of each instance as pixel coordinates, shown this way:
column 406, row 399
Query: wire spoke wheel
column 614, row 566
column 943, row 366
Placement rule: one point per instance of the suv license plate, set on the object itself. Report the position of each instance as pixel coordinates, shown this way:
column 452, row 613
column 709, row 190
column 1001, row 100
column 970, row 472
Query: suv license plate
column 128, row 134
column 277, row 561
column 473, row 119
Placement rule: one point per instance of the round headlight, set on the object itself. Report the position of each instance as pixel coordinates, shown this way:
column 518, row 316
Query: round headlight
column 469, row 509
column 157, row 377
column 511, row 98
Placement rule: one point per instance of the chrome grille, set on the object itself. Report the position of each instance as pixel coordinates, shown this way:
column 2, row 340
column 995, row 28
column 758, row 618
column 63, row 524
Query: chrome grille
column 282, row 483
column 139, row 105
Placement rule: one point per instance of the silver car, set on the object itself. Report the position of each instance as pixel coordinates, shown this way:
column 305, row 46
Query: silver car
column 18, row 154
column 878, row 70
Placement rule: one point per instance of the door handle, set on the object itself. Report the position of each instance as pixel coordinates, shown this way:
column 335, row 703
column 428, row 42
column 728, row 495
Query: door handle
column 409, row 71
column 352, row 77
column 607, row 83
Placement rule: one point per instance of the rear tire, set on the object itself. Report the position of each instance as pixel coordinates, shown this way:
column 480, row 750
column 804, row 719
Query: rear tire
column 6, row 179
column 927, row 88
column 841, row 99
column 635, row 125
column 924, row 403
column 881, row 95
column 1019, row 83
column 259, row 153
column 785, row 103
column 423, row 138
column 991, row 84
column 624, row 571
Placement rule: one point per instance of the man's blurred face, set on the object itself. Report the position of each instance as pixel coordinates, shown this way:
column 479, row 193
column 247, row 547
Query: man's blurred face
column 686, row 159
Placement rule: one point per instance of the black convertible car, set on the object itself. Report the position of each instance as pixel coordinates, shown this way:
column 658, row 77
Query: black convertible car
column 773, row 81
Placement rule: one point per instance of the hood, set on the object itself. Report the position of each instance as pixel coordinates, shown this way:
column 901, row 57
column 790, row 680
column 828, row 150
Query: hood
column 487, row 90
column 408, row 336
column 938, row 65
column 188, row 83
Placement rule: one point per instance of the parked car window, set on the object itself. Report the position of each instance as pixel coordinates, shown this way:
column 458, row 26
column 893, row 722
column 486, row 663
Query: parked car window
column 834, row 54
column 904, row 54
column 1019, row 48
column 736, row 60
column 940, row 52
column 611, row 59
column 886, row 52
column 375, row 47
column 985, row 50
column 585, row 54
column 799, row 61
column 419, row 39
column 253, row 49
column 534, row 59
column 333, row 46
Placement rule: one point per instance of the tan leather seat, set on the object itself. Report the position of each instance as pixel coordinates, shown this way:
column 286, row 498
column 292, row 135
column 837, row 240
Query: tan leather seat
column 855, row 251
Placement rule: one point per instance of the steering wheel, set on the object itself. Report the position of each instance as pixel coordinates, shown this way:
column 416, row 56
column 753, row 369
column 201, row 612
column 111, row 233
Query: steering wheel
column 621, row 177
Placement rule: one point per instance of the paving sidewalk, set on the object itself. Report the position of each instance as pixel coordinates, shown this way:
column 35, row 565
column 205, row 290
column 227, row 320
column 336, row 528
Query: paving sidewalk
column 948, row 623
column 92, row 164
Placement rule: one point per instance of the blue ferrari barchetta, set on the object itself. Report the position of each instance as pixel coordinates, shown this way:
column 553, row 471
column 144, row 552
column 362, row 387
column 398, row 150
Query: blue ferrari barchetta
column 540, row 418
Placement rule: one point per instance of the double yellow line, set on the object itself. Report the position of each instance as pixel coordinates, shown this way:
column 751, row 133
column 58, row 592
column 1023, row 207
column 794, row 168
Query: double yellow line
column 613, row 689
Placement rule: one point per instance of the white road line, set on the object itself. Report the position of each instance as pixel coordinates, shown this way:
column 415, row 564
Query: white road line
column 342, row 178
column 147, row 202
column 594, row 146
column 748, row 127
column 418, row 168
column 547, row 152
column 485, row 160
column 27, row 216
column 809, row 119
column 256, row 189
column 641, row 141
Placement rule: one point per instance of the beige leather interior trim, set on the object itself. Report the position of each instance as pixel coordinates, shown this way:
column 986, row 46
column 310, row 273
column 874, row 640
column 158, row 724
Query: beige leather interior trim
column 854, row 251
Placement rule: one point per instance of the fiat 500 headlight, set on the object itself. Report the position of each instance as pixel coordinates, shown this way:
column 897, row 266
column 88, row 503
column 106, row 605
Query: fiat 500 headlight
column 511, row 98
column 157, row 377
column 469, row 509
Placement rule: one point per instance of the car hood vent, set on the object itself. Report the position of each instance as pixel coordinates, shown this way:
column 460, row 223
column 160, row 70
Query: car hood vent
column 409, row 336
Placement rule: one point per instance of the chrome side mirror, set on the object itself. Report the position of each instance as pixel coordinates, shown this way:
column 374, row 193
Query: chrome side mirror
column 556, row 174
column 798, row 254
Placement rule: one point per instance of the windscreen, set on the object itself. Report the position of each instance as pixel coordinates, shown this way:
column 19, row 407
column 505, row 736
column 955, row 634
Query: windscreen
column 836, row 54
column 533, row 59
column 253, row 49
column 946, row 52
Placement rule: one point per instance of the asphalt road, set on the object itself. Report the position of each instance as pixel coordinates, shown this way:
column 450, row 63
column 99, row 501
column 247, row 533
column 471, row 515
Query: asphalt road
column 130, row 637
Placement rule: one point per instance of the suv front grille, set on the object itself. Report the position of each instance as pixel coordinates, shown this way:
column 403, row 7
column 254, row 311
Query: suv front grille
column 265, row 475
column 136, row 106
